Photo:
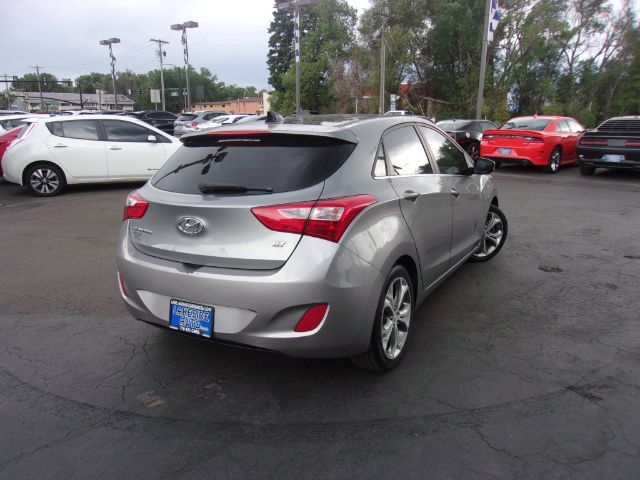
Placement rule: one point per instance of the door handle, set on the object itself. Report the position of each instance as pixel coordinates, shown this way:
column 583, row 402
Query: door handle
column 455, row 193
column 115, row 148
column 60, row 145
column 411, row 195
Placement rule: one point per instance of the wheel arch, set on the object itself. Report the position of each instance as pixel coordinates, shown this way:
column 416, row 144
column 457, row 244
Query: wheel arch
column 42, row 162
column 409, row 264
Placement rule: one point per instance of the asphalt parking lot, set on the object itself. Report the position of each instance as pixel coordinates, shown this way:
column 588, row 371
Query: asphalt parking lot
column 525, row 367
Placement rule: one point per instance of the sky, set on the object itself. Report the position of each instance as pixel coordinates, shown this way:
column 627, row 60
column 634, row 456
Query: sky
column 62, row 36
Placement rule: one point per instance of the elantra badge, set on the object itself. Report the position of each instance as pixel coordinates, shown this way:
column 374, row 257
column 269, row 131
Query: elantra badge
column 191, row 226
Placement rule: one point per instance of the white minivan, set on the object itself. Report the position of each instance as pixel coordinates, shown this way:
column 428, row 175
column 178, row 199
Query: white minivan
column 57, row 151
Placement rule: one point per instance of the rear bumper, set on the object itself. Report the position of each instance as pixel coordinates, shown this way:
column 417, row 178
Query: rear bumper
column 261, row 308
column 521, row 155
column 595, row 157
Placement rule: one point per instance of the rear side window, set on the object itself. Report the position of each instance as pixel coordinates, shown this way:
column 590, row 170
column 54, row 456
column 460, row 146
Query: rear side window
column 80, row 129
column 120, row 131
column 282, row 162
column 186, row 117
column 562, row 127
column 405, row 152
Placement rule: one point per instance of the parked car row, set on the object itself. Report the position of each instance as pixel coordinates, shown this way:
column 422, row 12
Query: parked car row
column 551, row 142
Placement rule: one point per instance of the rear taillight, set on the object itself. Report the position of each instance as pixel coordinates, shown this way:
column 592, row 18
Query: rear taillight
column 586, row 141
column 135, row 207
column 327, row 219
column 312, row 318
column 533, row 140
column 488, row 137
column 194, row 124
column 632, row 143
column 22, row 136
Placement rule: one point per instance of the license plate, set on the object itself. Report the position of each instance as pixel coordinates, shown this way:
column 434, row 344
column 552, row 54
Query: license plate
column 613, row 158
column 505, row 151
column 191, row 318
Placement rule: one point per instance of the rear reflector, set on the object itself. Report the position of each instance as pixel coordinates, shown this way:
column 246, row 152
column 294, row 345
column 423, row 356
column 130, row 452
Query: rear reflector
column 312, row 318
column 586, row 141
column 327, row 218
column 123, row 287
column 135, row 206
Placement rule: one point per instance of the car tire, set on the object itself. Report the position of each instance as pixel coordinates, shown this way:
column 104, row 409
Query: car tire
column 393, row 321
column 44, row 180
column 587, row 170
column 494, row 235
column 555, row 159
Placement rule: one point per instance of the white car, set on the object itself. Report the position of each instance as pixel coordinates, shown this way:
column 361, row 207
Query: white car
column 220, row 121
column 57, row 151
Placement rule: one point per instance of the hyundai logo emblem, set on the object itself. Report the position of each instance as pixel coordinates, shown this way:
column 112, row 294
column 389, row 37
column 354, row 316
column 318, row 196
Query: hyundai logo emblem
column 190, row 226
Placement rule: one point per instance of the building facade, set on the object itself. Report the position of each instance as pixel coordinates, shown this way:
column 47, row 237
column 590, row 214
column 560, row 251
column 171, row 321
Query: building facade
column 247, row 105
column 60, row 102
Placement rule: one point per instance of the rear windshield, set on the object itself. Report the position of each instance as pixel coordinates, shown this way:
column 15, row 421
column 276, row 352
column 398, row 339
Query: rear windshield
column 538, row 124
column 186, row 117
column 454, row 126
column 280, row 162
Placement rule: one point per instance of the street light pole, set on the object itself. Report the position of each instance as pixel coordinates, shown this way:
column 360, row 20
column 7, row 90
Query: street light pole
column 183, row 27
column 160, row 53
column 110, row 42
column 295, row 6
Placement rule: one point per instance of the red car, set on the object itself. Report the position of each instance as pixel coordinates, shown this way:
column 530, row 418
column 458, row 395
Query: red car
column 5, row 141
column 544, row 141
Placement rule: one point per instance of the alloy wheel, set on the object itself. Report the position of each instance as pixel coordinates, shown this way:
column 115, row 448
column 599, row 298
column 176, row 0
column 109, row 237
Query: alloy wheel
column 44, row 180
column 493, row 235
column 554, row 162
column 396, row 316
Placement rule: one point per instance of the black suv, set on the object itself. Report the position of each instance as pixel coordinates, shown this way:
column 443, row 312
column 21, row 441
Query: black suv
column 157, row 118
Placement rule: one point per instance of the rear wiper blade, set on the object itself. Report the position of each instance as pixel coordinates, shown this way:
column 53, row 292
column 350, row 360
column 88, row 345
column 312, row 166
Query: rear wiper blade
column 212, row 188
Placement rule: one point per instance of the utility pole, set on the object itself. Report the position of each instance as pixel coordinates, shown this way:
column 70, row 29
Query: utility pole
column 161, row 54
column 37, row 67
column 183, row 27
column 383, row 52
column 110, row 42
column 483, row 61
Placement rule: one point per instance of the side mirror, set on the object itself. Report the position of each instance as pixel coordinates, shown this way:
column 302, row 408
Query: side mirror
column 152, row 139
column 484, row 166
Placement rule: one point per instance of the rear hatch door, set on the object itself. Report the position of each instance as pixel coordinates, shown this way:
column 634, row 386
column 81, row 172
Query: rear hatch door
column 274, row 168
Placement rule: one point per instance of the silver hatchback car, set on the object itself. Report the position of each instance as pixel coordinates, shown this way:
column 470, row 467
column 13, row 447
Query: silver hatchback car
column 314, row 240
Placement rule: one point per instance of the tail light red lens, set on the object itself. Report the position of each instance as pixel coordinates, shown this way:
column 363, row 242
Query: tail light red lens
column 327, row 218
column 135, row 207
column 533, row 140
column 194, row 124
column 586, row 141
column 632, row 143
column 311, row 318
